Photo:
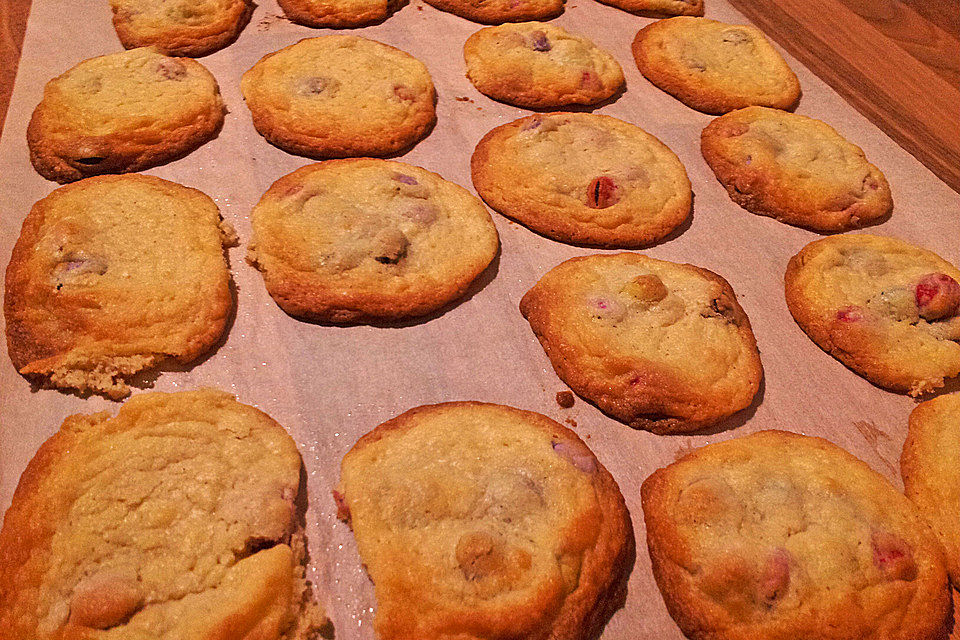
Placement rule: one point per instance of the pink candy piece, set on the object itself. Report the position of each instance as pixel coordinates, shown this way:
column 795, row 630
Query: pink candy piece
column 607, row 308
column 404, row 178
column 775, row 578
column 893, row 556
column 532, row 124
column 422, row 213
column 590, row 80
column 539, row 41
column 582, row 461
column 850, row 314
column 938, row 296
column 171, row 69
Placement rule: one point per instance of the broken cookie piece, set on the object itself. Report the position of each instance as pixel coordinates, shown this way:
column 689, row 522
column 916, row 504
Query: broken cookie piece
column 174, row 520
column 112, row 275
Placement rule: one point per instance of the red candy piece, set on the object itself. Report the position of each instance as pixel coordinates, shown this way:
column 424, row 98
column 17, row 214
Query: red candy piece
column 590, row 80
column 850, row 314
column 938, row 296
column 602, row 193
column 775, row 577
column 893, row 556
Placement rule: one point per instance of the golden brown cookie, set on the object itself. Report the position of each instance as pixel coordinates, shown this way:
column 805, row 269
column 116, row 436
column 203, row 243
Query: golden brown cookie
column 659, row 8
column 180, row 27
column 658, row 345
column 539, row 65
column 930, row 466
column 305, row 98
column 795, row 169
column 113, row 275
column 778, row 535
column 122, row 112
column 583, row 178
column 714, row 67
column 887, row 309
column 364, row 240
column 339, row 14
column 174, row 520
column 500, row 11
column 485, row 522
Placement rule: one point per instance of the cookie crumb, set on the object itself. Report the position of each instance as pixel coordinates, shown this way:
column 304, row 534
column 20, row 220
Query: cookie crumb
column 565, row 399
column 573, row 423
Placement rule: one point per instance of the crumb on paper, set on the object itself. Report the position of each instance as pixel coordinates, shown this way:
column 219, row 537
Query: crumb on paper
column 573, row 423
column 269, row 20
column 685, row 448
column 565, row 399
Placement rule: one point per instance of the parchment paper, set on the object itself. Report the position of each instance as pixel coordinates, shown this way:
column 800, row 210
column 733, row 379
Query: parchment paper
column 329, row 385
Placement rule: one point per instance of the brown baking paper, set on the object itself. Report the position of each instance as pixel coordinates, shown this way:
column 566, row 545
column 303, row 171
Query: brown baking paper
column 329, row 385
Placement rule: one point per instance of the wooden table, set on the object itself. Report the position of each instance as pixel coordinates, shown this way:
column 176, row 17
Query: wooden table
column 895, row 61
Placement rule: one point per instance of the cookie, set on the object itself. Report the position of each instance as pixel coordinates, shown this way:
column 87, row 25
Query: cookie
column 180, row 27
column 714, row 67
column 500, row 11
column 483, row 521
column 339, row 14
column 930, row 464
column 888, row 310
column 174, row 519
column 122, row 112
column 113, row 275
column 658, row 345
column 365, row 240
column 584, row 179
column 795, row 169
column 778, row 535
column 659, row 8
column 304, row 98
column 539, row 65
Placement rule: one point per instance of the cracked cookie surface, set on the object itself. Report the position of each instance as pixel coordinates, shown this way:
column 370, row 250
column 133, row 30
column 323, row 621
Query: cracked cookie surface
column 482, row 521
column 180, row 27
column 112, row 275
column 795, row 169
column 930, row 466
column 658, row 345
column 539, row 65
column 366, row 240
column 583, row 178
column 122, row 112
column 174, row 520
column 714, row 67
column 778, row 535
column 305, row 98
column 886, row 309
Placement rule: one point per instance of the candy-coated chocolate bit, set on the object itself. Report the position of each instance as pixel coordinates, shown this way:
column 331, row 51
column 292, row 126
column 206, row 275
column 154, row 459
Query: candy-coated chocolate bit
column 775, row 579
column 539, row 41
column 893, row 556
column 850, row 314
column 938, row 296
column 602, row 193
